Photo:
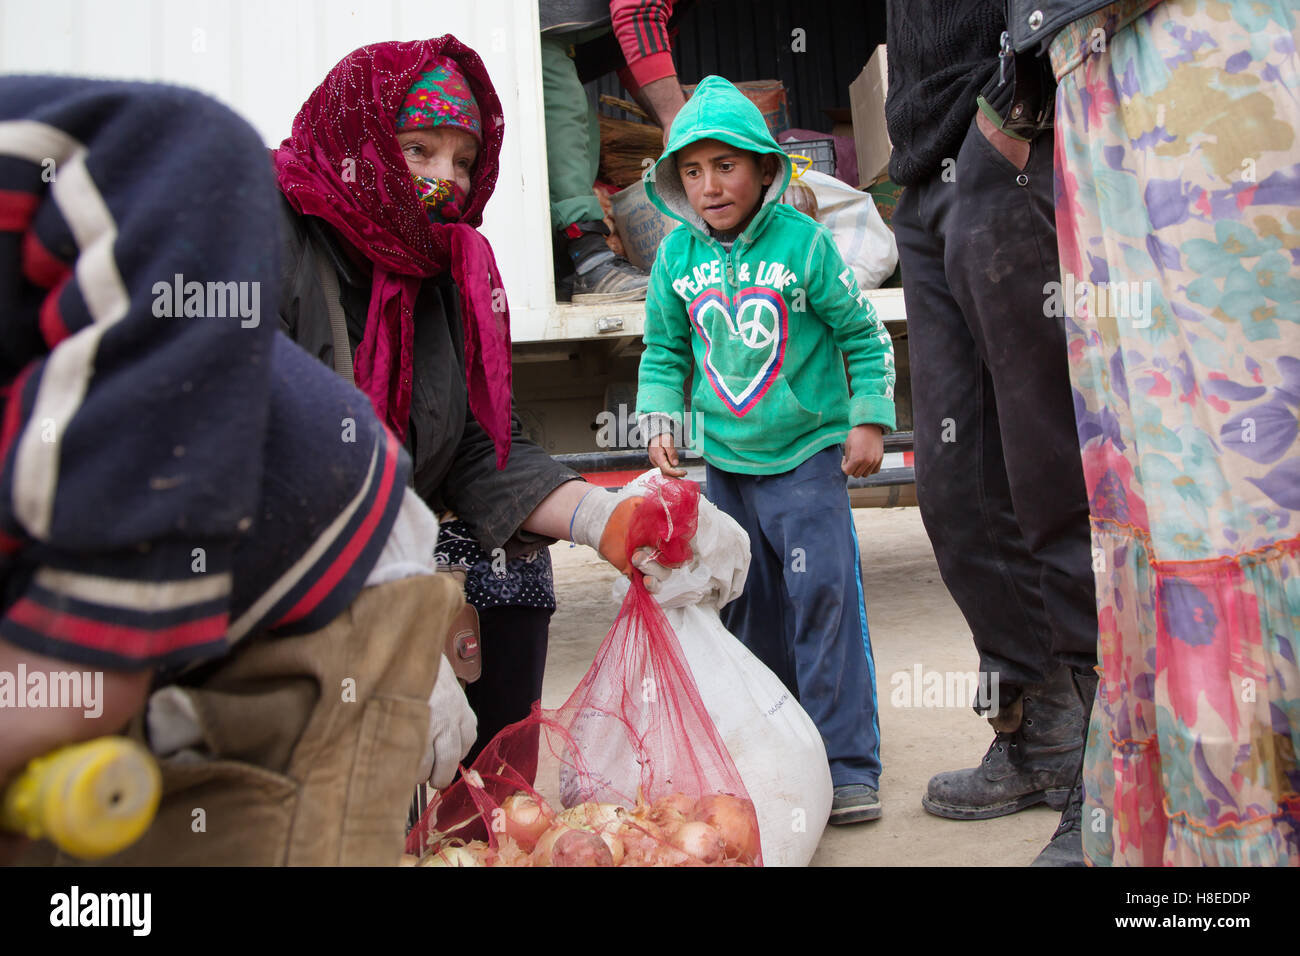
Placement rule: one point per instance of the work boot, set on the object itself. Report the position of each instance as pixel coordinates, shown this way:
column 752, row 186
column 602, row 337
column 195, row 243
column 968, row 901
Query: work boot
column 1066, row 846
column 599, row 275
column 1033, row 759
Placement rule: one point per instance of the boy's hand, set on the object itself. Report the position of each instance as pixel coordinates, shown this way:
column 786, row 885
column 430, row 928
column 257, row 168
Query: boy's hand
column 663, row 455
column 864, row 450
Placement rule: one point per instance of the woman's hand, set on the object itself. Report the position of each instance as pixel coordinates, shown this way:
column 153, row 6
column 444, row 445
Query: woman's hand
column 1015, row 150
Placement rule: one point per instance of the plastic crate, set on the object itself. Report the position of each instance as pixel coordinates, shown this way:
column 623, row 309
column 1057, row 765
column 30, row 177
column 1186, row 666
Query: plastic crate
column 820, row 151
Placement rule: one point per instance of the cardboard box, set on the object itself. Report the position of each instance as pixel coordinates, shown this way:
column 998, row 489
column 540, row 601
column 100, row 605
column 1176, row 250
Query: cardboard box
column 841, row 120
column 867, row 104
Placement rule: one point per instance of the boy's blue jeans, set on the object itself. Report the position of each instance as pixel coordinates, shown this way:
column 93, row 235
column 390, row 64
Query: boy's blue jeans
column 802, row 612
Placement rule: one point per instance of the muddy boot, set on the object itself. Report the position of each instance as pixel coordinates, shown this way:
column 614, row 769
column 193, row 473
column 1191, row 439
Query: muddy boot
column 599, row 275
column 1033, row 759
column 1066, row 846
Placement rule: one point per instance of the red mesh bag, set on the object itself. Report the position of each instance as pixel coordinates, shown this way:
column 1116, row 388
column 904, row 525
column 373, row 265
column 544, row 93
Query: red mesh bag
column 631, row 760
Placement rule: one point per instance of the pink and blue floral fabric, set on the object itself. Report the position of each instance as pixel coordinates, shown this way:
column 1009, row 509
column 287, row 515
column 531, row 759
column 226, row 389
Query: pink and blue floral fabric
column 1178, row 211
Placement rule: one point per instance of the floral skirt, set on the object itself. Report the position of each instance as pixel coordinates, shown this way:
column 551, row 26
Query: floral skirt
column 1178, row 216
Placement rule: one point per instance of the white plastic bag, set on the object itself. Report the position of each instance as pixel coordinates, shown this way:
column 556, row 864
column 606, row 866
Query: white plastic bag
column 774, row 744
column 772, row 741
column 865, row 242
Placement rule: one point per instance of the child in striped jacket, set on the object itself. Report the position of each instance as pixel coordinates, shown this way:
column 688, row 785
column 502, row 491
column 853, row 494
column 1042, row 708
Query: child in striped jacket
column 184, row 493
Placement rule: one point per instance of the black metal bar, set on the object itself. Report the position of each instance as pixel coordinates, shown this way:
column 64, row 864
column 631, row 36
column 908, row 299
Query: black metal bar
column 636, row 458
column 885, row 477
column 881, row 479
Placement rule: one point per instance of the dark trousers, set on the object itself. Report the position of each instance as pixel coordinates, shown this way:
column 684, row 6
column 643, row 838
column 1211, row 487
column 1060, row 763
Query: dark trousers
column 999, row 478
column 514, row 641
column 802, row 612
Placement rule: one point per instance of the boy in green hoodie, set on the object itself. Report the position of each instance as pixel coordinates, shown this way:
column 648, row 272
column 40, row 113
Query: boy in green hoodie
column 756, row 295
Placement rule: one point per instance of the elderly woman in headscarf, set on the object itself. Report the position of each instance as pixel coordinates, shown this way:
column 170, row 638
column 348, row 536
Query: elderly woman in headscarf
column 386, row 174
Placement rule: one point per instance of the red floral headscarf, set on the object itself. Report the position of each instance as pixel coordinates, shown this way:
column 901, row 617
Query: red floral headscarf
column 342, row 164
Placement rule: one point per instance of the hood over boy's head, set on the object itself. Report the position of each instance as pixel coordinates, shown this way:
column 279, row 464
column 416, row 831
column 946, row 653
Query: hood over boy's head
column 721, row 165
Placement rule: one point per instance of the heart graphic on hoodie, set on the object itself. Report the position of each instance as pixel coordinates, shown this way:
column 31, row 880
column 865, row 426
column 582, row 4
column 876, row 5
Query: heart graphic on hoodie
column 744, row 342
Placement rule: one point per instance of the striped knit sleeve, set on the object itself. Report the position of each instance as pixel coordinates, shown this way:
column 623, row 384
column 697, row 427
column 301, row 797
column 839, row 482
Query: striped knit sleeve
column 642, row 30
column 138, row 243
column 334, row 482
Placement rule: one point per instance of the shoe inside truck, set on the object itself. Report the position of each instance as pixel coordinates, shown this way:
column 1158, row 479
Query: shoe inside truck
column 575, row 382
column 575, row 366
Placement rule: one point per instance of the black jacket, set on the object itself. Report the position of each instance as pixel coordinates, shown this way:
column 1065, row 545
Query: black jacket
column 941, row 52
column 454, row 459
column 1033, row 23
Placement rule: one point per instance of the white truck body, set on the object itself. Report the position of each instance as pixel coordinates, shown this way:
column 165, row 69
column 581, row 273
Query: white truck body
column 264, row 57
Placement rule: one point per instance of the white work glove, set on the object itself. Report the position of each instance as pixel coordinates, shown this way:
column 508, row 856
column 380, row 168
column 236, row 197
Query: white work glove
column 601, row 518
column 719, row 563
column 452, row 729
column 715, row 574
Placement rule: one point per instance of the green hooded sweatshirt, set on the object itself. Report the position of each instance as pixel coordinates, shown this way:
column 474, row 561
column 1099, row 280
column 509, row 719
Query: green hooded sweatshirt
column 766, row 325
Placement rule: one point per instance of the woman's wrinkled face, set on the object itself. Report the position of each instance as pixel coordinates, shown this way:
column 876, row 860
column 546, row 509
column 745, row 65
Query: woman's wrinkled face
column 442, row 152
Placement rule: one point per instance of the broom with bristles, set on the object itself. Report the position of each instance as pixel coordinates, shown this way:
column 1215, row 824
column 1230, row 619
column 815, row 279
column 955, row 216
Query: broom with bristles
column 625, row 146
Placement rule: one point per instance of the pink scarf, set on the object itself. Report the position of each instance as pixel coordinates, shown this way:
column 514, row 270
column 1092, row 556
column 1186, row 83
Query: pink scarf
column 342, row 164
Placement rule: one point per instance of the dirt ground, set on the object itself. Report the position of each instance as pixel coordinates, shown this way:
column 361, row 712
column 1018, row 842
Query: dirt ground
column 913, row 621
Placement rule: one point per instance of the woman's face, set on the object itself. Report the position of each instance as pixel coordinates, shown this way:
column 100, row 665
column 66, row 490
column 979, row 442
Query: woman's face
column 442, row 152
